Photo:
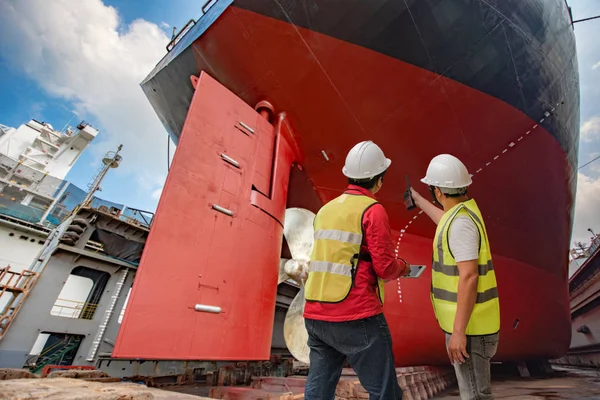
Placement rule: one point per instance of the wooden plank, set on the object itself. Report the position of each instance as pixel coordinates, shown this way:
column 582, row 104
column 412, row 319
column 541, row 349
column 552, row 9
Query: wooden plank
column 417, row 383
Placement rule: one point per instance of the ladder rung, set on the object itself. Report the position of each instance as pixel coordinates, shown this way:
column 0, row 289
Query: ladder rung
column 12, row 289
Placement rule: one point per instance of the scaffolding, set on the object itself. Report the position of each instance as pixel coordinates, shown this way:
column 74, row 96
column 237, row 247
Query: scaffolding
column 14, row 288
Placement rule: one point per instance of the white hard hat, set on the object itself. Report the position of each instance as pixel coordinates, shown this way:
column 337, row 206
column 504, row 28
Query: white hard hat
column 447, row 171
column 365, row 160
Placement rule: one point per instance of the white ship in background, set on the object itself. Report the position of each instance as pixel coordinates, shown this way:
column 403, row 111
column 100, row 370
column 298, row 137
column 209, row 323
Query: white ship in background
column 582, row 252
column 34, row 160
column 35, row 198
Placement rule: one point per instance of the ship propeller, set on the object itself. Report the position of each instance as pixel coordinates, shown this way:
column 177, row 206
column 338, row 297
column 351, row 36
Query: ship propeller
column 299, row 234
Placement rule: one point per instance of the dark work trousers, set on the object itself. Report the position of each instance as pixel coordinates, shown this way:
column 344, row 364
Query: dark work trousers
column 366, row 343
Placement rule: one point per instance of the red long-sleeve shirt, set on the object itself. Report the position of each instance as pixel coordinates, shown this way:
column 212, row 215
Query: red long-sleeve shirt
column 362, row 301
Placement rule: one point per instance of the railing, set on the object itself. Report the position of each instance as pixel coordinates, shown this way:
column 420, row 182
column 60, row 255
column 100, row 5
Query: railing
column 31, row 360
column 19, row 211
column 73, row 309
column 187, row 27
column 59, row 350
column 137, row 217
column 15, row 280
column 594, row 245
column 105, row 205
column 4, row 129
column 33, row 179
column 181, row 34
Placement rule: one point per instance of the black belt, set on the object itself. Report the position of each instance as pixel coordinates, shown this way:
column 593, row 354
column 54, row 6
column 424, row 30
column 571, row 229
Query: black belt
column 362, row 257
column 365, row 257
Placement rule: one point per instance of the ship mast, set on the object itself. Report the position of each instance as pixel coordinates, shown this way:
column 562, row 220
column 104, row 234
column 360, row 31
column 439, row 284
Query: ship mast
column 112, row 159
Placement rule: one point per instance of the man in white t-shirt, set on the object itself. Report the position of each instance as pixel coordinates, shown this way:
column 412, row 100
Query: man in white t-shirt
column 464, row 291
column 464, row 239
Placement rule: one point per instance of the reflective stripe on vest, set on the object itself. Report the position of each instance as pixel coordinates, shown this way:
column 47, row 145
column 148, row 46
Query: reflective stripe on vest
column 485, row 317
column 338, row 239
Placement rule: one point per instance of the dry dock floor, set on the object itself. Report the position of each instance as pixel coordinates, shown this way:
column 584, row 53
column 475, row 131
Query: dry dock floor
column 76, row 389
column 568, row 383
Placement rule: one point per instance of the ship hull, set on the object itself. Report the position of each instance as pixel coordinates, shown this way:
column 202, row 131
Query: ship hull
column 506, row 103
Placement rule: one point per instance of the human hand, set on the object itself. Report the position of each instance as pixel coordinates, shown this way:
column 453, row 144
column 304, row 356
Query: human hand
column 457, row 348
column 406, row 268
column 297, row 270
column 415, row 195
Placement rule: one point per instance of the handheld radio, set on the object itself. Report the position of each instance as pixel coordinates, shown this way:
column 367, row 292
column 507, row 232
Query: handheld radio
column 409, row 202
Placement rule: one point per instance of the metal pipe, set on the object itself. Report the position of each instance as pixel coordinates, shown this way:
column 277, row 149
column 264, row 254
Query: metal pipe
column 246, row 127
column 265, row 109
column 222, row 210
column 208, row 309
column 230, row 160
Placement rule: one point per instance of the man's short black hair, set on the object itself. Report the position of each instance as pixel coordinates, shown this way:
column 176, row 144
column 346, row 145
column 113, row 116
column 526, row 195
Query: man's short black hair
column 366, row 183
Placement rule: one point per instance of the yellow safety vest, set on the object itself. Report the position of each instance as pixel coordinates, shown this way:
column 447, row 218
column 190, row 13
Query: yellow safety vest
column 338, row 238
column 485, row 318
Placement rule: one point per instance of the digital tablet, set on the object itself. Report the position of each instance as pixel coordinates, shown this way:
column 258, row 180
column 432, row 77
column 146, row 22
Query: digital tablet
column 416, row 271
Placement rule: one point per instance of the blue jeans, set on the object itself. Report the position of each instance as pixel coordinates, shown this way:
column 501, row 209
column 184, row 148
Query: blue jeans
column 474, row 377
column 366, row 343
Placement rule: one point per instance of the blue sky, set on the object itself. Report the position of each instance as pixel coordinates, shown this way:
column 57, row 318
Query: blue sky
column 587, row 211
column 67, row 60
column 28, row 92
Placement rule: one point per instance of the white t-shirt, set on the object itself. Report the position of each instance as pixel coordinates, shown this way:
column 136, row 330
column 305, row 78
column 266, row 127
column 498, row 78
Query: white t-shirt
column 463, row 239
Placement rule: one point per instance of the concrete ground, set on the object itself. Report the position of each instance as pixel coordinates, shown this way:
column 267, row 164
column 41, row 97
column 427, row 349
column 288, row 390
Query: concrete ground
column 568, row 383
column 77, row 389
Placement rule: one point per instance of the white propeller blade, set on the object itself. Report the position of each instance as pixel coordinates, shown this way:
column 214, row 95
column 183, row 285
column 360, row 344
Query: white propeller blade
column 282, row 274
column 299, row 235
column 296, row 270
column 299, row 232
column 294, row 330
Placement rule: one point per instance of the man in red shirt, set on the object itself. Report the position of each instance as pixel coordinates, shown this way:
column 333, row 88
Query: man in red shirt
column 352, row 257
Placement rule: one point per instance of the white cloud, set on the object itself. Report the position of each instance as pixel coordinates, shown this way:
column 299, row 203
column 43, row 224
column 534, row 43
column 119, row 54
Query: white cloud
column 596, row 66
column 156, row 194
column 37, row 110
column 151, row 181
column 153, row 184
column 590, row 129
column 167, row 26
column 97, row 64
column 586, row 208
